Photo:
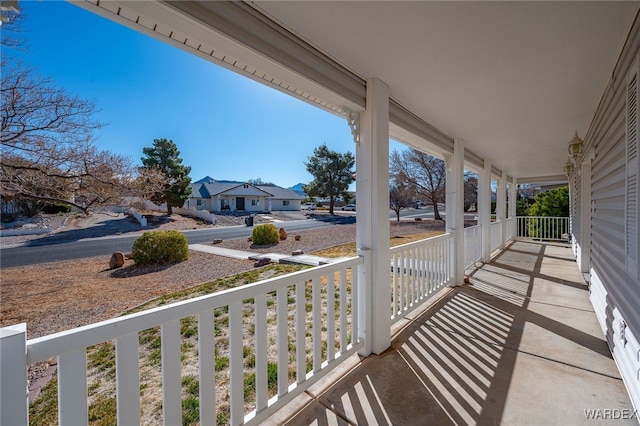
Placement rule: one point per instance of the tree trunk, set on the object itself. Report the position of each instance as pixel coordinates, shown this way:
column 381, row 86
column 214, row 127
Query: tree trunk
column 436, row 212
column 398, row 215
column 169, row 209
column 331, row 201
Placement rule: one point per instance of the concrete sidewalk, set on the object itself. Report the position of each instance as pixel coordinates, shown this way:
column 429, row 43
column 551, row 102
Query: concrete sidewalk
column 519, row 345
column 304, row 259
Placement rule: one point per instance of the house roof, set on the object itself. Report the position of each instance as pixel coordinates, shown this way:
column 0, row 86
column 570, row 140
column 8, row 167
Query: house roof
column 234, row 188
column 281, row 193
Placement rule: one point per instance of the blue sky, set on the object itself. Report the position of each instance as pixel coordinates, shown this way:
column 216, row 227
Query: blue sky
column 225, row 125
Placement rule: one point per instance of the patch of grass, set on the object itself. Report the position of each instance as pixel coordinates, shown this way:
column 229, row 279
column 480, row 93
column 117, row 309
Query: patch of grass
column 249, row 386
column 222, row 362
column 102, row 357
column 191, row 403
column 190, row 411
column 103, row 411
column 188, row 327
column 222, row 416
column 44, row 410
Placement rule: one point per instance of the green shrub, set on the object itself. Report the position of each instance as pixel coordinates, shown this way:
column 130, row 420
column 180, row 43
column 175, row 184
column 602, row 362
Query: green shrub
column 157, row 247
column 265, row 234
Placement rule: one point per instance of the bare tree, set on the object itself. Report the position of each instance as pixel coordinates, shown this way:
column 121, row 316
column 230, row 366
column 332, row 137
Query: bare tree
column 470, row 190
column 400, row 197
column 424, row 172
column 48, row 143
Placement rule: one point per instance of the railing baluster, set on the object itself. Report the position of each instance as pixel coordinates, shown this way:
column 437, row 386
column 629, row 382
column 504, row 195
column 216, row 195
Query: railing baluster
column 262, row 393
column 343, row 309
column 301, row 366
column 394, row 286
column 331, row 316
column 236, row 361
column 354, row 305
column 127, row 380
column 206, row 367
column 171, row 386
column 282, row 323
column 402, row 268
column 316, row 316
column 72, row 388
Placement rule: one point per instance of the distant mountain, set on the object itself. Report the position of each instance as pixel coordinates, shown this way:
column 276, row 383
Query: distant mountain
column 205, row 179
column 298, row 189
column 209, row 179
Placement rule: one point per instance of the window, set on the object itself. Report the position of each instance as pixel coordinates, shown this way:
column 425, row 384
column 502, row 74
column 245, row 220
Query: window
column 199, row 202
column 224, row 204
column 255, row 202
column 285, row 202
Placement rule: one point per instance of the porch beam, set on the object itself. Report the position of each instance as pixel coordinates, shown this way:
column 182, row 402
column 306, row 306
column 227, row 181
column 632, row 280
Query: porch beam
column 484, row 209
column 372, row 219
column 455, row 208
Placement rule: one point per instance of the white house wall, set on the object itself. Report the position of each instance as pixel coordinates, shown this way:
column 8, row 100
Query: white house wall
column 615, row 292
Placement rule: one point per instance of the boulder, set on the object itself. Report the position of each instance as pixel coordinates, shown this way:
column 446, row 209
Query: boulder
column 217, row 241
column 117, row 260
column 262, row 262
column 283, row 234
column 418, row 219
column 297, row 253
column 297, row 237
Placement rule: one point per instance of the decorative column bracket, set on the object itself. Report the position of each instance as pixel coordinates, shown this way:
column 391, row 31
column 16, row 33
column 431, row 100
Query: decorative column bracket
column 353, row 120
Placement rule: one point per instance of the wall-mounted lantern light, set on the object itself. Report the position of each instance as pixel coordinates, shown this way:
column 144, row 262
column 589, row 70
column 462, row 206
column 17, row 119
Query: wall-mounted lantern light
column 568, row 168
column 576, row 145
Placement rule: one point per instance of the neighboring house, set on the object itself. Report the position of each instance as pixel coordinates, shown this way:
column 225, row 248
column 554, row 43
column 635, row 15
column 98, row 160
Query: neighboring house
column 220, row 196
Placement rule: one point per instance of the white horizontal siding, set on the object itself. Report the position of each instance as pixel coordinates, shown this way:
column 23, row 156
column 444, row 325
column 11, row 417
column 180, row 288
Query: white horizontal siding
column 615, row 294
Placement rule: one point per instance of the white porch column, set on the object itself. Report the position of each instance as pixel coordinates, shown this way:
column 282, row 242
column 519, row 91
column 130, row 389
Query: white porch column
column 585, row 219
column 484, row 209
column 372, row 219
column 513, row 201
column 501, row 206
column 455, row 208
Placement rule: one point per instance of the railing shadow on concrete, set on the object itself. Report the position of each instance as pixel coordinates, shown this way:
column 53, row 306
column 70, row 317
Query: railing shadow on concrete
column 454, row 363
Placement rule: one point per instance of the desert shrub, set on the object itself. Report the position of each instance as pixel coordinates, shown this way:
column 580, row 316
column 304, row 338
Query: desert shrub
column 265, row 234
column 156, row 247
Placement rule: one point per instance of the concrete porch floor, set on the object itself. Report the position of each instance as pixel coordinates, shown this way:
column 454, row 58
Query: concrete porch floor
column 519, row 345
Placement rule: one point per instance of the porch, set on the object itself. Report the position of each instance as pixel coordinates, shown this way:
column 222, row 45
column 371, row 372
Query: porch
column 520, row 344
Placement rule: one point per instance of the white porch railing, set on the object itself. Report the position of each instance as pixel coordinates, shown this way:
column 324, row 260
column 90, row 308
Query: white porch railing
column 283, row 316
column 472, row 245
column 294, row 328
column 543, row 228
column 510, row 229
column 418, row 270
column 495, row 232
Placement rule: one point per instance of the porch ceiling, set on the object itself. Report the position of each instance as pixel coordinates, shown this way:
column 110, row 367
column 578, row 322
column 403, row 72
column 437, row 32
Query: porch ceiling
column 514, row 79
